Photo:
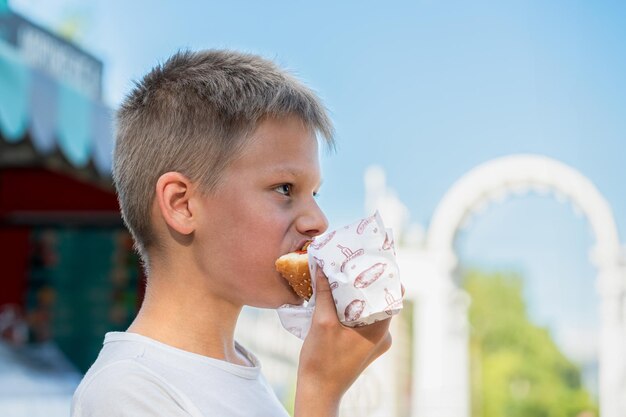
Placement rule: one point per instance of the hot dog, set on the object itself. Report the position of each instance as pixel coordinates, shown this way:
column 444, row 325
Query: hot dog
column 294, row 267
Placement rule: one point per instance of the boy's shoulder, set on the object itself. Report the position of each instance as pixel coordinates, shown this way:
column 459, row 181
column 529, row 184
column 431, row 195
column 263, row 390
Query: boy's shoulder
column 119, row 384
column 126, row 387
column 135, row 375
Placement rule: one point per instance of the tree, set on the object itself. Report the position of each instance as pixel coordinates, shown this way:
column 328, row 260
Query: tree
column 517, row 369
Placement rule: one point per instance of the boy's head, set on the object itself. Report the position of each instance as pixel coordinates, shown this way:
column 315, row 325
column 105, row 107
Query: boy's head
column 194, row 115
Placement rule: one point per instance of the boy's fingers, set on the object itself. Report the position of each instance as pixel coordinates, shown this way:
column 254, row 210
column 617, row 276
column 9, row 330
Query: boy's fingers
column 324, row 302
column 326, row 312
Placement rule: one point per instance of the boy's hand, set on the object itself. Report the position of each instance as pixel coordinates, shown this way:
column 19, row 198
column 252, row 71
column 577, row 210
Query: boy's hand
column 333, row 356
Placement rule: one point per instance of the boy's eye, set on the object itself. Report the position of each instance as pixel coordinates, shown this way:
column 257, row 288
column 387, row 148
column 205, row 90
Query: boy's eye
column 284, row 189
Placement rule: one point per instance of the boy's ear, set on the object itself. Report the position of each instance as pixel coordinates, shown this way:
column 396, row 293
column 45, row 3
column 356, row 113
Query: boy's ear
column 173, row 195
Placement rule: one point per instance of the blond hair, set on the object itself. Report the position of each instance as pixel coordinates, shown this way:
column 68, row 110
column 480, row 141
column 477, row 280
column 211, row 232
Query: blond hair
column 192, row 114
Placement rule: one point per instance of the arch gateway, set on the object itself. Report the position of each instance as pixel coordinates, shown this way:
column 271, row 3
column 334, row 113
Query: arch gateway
column 440, row 349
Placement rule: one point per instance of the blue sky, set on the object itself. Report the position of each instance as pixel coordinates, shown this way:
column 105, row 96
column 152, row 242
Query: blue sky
column 427, row 90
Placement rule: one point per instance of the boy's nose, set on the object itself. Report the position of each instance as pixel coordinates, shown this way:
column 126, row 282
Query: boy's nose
column 312, row 222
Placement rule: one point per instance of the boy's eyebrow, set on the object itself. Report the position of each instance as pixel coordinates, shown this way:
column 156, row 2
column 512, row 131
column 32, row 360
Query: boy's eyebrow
column 294, row 172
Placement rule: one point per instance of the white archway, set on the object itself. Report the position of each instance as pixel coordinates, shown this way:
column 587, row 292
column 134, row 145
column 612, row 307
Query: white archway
column 441, row 366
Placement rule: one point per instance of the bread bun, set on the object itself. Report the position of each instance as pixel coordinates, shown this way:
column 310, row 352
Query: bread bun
column 294, row 267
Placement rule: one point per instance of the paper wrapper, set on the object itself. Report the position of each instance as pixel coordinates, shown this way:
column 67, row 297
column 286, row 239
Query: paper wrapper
column 360, row 263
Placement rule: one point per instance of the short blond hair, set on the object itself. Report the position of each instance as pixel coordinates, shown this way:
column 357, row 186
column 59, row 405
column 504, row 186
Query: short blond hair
column 192, row 114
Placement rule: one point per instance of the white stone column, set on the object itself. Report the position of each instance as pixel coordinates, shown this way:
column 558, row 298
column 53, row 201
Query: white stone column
column 441, row 363
column 612, row 350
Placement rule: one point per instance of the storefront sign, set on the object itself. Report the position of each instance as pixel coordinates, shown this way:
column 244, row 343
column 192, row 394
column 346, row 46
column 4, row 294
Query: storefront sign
column 52, row 54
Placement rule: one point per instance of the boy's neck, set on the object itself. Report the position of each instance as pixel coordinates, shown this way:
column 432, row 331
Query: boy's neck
column 202, row 323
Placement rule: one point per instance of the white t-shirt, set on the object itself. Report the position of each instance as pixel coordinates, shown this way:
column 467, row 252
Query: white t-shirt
column 138, row 376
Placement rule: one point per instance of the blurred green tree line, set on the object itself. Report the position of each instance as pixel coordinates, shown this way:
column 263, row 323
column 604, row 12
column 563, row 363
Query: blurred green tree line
column 517, row 370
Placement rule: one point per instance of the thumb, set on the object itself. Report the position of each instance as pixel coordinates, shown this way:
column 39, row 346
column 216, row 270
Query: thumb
column 324, row 302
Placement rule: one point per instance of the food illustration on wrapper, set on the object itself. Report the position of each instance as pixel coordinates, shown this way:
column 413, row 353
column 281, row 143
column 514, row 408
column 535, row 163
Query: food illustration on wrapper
column 392, row 303
column 354, row 310
column 296, row 331
column 323, row 241
column 388, row 243
column 371, row 274
column 349, row 254
column 360, row 229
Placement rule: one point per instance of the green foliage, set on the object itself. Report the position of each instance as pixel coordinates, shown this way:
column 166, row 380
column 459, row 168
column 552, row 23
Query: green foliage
column 517, row 369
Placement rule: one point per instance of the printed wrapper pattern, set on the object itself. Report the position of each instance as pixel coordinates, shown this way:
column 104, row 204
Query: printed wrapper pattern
column 360, row 263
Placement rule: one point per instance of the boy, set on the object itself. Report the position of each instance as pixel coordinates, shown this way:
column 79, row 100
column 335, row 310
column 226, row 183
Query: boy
column 216, row 169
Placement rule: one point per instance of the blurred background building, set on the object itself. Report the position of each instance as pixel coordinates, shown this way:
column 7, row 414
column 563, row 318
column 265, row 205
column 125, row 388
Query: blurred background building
column 68, row 271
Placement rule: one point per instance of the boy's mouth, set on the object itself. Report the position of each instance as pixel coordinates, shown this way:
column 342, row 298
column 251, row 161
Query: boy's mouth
column 302, row 246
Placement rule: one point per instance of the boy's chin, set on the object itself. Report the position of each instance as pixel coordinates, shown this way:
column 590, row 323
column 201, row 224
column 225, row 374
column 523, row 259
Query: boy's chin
column 289, row 297
column 292, row 299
